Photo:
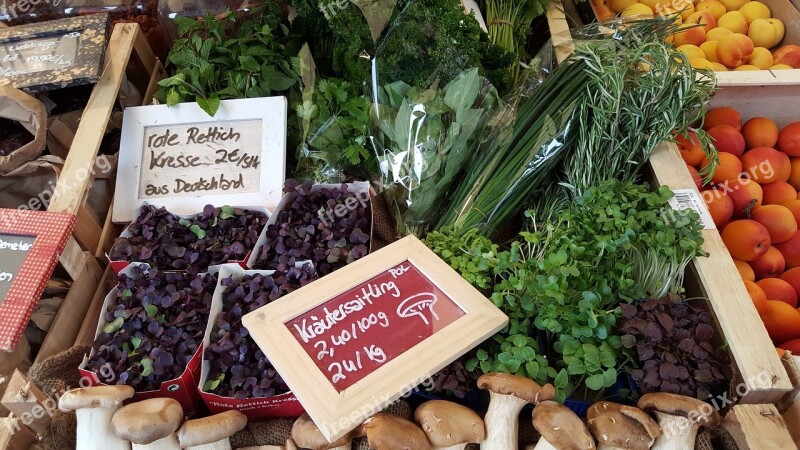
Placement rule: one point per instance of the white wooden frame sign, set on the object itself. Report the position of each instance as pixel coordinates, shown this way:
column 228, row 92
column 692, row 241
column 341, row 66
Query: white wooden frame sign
column 354, row 341
column 181, row 158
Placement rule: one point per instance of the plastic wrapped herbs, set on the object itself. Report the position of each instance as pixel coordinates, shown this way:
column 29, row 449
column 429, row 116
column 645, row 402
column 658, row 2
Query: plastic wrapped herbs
column 154, row 326
column 673, row 343
column 329, row 227
column 168, row 242
column 237, row 366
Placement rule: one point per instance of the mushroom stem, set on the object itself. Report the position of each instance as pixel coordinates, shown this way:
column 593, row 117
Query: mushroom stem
column 452, row 447
column 94, row 431
column 168, row 443
column 677, row 432
column 544, row 445
column 502, row 424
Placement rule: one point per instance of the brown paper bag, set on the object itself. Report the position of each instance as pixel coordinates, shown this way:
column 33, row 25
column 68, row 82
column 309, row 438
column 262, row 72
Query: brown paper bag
column 30, row 113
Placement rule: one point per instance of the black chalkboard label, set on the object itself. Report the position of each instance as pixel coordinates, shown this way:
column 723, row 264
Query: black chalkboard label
column 13, row 250
column 55, row 52
column 49, row 55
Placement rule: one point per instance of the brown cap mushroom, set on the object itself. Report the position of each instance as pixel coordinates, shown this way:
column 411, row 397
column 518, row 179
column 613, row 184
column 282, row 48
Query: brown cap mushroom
column 306, row 434
column 95, row 397
column 149, row 424
column 679, row 417
column 521, row 387
column 389, row 432
column 211, row 430
column 560, row 428
column 621, row 427
column 508, row 394
column 449, row 425
column 94, row 407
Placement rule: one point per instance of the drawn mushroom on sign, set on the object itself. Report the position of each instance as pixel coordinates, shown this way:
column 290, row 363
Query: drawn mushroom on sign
column 416, row 304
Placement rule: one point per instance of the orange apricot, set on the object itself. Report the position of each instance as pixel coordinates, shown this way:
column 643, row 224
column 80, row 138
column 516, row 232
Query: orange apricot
column 781, row 321
column 792, row 276
column 728, row 168
column 722, row 116
column 778, row 220
column 727, row 139
column 720, row 206
column 760, row 132
column 791, row 251
column 789, row 139
column 746, row 239
column 770, row 265
column 757, row 295
column 763, row 164
column 747, row 195
column 744, row 269
column 778, row 193
column 691, row 150
column 779, row 290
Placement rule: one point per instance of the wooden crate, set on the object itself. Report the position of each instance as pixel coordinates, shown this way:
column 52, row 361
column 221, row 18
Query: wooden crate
column 128, row 56
column 787, row 12
column 760, row 371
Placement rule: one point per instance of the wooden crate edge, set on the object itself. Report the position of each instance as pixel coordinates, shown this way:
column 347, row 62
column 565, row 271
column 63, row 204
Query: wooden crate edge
column 764, row 375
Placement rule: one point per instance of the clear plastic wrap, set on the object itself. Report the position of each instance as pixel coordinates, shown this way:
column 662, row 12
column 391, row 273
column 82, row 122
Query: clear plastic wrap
column 431, row 103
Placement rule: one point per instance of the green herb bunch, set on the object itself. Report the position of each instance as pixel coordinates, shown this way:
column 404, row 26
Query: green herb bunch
column 336, row 128
column 222, row 57
column 562, row 283
column 637, row 97
column 424, row 138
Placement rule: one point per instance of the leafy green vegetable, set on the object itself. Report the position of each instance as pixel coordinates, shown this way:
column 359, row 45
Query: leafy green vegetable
column 562, row 283
column 509, row 167
column 335, row 128
column 424, row 139
column 425, row 41
column 220, row 58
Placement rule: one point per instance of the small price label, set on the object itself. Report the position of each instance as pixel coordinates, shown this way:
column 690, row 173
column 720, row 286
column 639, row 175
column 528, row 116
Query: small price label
column 690, row 199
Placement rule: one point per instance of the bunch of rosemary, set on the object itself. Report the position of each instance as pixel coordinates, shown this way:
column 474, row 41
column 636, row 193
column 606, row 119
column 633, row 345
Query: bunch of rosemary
column 637, row 97
column 606, row 107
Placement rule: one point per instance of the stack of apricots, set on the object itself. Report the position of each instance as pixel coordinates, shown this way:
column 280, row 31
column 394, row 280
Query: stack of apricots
column 720, row 35
column 754, row 200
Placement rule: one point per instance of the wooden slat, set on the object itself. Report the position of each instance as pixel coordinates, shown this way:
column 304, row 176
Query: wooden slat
column 158, row 74
column 107, row 234
column 73, row 311
column 74, row 181
column 89, row 326
column 26, row 401
column 72, row 258
column 87, row 229
column 14, row 435
column 736, row 316
column 758, row 427
column 559, row 31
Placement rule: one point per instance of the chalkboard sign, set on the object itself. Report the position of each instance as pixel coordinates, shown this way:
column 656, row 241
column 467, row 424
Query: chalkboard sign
column 49, row 55
column 30, row 244
column 13, row 250
column 346, row 335
column 182, row 158
column 352, row 342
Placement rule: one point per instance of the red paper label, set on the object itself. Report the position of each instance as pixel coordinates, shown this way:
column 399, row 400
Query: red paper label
column 355, row 333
